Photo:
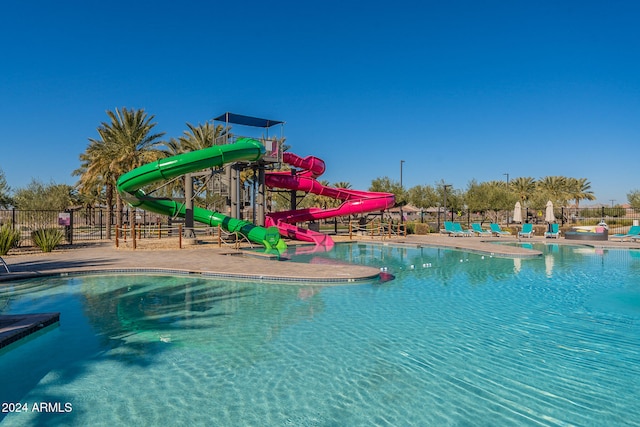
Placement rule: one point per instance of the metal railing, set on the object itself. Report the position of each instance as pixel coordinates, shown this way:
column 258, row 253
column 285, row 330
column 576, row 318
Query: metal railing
column 77, row 226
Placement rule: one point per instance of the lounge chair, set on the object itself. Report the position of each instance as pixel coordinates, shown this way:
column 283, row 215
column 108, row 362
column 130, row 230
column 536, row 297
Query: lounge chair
column 527, row 230
column 555, row 231
column 449, row 229
column 458, row 229
column 632, row 234
column 477, row 228
column 497, row 231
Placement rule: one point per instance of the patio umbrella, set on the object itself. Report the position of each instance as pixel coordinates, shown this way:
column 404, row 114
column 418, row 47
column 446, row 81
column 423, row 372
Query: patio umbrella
column 517, row 213
column 548, row 215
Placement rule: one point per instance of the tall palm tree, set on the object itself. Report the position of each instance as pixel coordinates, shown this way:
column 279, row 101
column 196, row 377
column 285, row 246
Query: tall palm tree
column 201, row 136
column 95, row 175
column 524, row 187
column 579, row 189
column 125, row 143
column 555, row 187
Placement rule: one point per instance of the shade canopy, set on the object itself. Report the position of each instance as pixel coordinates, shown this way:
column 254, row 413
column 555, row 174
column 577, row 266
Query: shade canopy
column 239, row 119
column 517, row 213
column 548, row 215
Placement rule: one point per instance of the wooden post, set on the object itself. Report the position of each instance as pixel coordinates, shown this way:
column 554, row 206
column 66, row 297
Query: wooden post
column 219, row 236
column 133, row 235
column 350, row 231
column 117, row 237
column 180, row 236
column 124, row 232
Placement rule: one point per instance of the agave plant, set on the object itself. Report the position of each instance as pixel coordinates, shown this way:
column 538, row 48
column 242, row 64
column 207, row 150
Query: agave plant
column 9, row 238
column 47, row 238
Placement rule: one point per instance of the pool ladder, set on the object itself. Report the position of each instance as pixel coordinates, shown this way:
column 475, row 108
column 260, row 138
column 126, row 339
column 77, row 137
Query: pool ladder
column 6, row 267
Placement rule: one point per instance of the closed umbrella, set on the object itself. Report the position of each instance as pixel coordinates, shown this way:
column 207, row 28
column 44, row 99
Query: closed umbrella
column 517, row 213
column 548, row 215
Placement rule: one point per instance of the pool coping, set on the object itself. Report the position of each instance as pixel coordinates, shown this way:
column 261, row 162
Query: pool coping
column 15, row 327
column 203, row 261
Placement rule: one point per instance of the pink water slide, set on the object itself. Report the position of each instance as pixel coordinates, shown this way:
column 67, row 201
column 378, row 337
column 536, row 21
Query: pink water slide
column 355, row 202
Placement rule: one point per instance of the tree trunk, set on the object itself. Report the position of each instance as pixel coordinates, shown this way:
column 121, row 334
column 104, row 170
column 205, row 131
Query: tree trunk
column 109, row 197
column 118, row 211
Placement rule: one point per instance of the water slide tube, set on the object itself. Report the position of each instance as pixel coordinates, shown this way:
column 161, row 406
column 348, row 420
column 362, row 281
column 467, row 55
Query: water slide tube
column 246, row 149
column 355, row 202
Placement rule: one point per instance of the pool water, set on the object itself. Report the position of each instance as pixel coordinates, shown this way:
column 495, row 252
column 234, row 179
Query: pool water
column 456, row 339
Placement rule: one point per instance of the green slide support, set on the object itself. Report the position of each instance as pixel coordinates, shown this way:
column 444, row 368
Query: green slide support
column 245, row 149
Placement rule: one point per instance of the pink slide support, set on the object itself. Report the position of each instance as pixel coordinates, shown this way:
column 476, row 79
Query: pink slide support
column 355, row 202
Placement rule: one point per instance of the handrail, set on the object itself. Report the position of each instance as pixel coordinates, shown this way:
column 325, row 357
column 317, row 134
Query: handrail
column 4, row 264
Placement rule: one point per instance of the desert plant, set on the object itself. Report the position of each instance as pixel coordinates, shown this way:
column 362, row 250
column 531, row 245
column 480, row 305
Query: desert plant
column 9, row 238
column 422, row 228
column 47, row 238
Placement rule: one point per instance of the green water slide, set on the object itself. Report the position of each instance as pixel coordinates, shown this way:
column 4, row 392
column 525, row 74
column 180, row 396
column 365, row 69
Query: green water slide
column 246, row 149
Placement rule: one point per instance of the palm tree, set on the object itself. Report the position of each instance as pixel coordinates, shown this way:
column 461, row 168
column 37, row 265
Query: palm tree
column 125, row 143
column 342, row 184
column 524, row 187
column 555, row 188
column 579, row 189
column 96, row 175
column 201, row 136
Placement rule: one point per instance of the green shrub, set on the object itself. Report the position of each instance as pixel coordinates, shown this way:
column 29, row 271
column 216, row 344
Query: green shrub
column 9, row 238
column 47, row 238
column 410, row 226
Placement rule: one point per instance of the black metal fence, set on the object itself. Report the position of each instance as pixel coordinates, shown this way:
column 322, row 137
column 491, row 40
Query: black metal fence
column 91, row 224
column 78, row 225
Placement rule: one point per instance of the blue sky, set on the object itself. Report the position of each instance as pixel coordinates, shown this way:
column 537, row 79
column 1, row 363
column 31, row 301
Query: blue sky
column 460, row 90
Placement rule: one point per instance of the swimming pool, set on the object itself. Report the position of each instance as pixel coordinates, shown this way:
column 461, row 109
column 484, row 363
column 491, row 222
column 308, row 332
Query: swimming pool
column 456, row 339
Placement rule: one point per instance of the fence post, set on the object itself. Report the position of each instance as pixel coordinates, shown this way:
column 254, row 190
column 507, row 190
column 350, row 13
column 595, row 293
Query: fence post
column 219, row 236
column 350, row 231
column 117, row 237
column 180, row 235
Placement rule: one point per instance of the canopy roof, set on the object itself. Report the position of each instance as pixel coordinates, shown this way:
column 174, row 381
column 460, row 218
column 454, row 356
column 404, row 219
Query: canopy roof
column 239, row 119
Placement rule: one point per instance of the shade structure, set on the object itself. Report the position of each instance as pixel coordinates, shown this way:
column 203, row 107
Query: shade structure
column 548, row 215
column 517, row 213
